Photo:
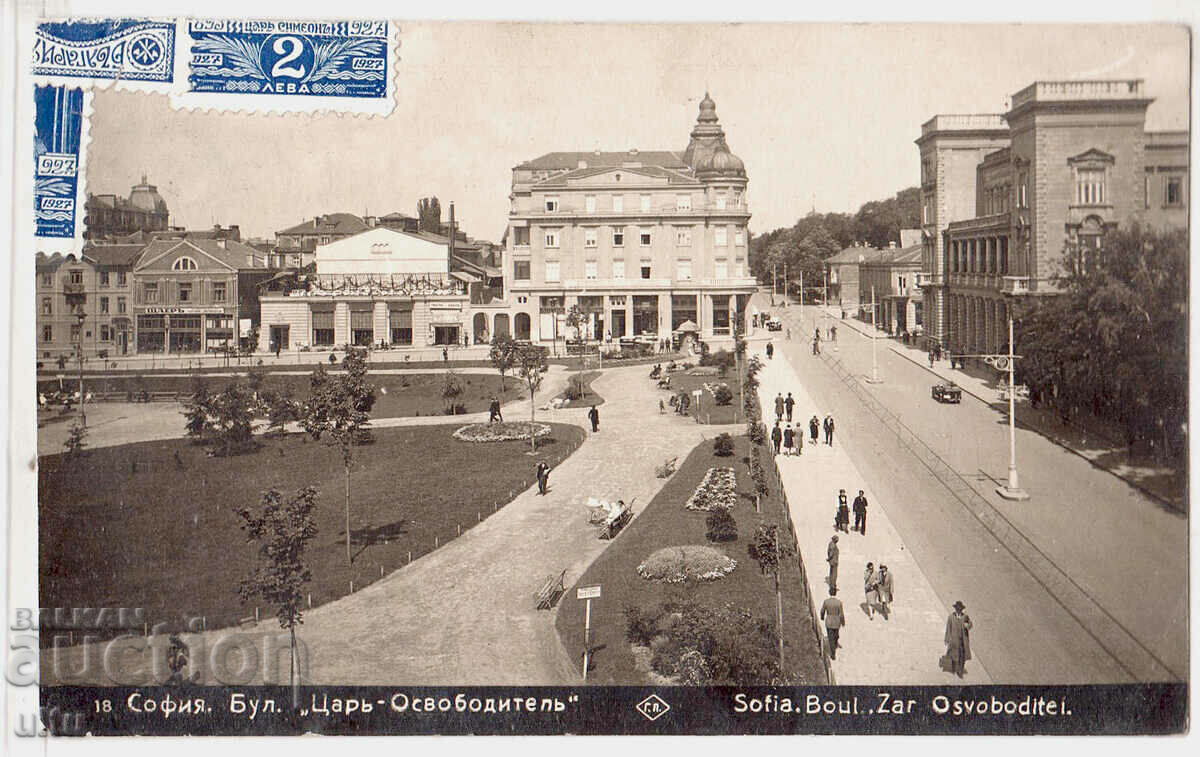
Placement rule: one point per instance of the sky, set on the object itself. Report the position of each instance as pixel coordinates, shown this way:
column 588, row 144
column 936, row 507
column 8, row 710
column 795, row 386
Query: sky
column 823, row 115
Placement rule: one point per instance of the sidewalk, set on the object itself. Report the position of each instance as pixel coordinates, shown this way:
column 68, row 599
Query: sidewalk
column 906, row 647
column 1162, row 483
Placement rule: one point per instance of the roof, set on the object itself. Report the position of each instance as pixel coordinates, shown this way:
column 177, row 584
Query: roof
column 397, row 216
column 858, row 254
column 910, row 237
column 333, row 223
column 114, row 254
column 231, row 253
column 897, row 256
column 571, row 160
column 673, row 177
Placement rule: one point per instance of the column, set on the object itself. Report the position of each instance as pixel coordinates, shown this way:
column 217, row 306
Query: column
column 629, row 330
column 665, row 313
column 706, row 314
column 341, row 323
column 990, row 322
column 379, row 323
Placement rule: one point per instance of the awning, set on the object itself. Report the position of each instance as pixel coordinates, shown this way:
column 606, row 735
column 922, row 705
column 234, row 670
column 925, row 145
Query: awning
column 688, row 326
column 464, row 276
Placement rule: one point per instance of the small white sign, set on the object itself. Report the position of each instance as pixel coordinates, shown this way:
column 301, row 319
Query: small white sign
column 697, row 393
column 588, row 592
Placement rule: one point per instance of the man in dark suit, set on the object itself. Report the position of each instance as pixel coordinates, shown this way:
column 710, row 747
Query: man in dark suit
column 776, row 437
column 543, row 476
column 860, row 513
column 829, row 430
column 788, row 404
column 835, row 618
column 594, row 417
column 831, row 556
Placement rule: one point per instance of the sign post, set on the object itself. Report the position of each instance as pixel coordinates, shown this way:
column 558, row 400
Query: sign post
column 587, row 593
column 698, row 393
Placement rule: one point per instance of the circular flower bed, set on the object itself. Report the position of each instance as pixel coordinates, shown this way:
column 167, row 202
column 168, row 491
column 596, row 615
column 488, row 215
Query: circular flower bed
column 689, row 562
column 500, row 432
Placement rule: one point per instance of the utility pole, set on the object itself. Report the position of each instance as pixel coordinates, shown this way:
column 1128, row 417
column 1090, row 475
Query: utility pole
column 874, row 353
column 785, row 284
column 81, row 316
column 1012, row 490
column 774, row 281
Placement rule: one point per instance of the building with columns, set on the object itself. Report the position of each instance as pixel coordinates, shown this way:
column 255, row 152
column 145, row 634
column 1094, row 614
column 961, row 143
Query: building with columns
column 641, row 241
column 1069, row 161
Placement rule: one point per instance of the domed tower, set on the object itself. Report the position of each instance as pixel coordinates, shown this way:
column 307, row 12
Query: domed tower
column 708, row 154
column 145, row 197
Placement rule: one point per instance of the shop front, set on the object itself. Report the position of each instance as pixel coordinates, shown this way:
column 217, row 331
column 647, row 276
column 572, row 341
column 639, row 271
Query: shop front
column 184, row 331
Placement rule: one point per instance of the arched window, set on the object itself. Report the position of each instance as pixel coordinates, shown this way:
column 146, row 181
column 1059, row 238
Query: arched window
column 184, row 264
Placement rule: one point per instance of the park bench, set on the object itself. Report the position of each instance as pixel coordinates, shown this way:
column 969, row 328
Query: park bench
column 552, row 589
column 615, row 522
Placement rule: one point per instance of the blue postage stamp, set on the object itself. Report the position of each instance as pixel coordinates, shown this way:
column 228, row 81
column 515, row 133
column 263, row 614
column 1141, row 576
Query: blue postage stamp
column 323, row 58
column 118, row 49
column 59, row 124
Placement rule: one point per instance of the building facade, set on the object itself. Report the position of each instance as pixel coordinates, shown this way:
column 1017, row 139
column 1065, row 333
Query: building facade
column 1075, row 162
column 98, row 283
column 109, row 217
column 295, row 247
column 890, row 281
column 642, row 242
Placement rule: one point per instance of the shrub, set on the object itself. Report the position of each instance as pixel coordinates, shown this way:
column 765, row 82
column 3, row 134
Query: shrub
column 76, row 439
column 723, row 445
column 717, row 646
column 723, row 395
column 721, row 526
column 666, row 469
column 686, row 563
column 757, row 433
column 575, row 389
column 640, row 626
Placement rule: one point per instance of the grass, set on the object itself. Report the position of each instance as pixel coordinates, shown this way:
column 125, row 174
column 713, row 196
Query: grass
column 396, row 395
column 165, row 538
column 665, row 522
column 710, row 411
column 589, row 398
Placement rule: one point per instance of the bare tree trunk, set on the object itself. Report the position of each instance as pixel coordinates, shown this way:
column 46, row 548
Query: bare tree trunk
column 532, row 435
column 349, row 558
column 294, row 673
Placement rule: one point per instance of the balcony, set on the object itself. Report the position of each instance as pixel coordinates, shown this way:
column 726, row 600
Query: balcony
column 964, row 122
column 72, row 288
column 1068, row 91
column 928, row 279
column 1015, row 285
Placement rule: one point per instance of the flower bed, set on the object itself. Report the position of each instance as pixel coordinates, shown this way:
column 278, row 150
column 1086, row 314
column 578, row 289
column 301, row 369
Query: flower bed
column 712, row 388
column 718, row 489
column 500, row 432
column 695, row 562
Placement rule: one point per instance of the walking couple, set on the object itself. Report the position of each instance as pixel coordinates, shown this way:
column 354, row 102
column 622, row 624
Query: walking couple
column 878, row 587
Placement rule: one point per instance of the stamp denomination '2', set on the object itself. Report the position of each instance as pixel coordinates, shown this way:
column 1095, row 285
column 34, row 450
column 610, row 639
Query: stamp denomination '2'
column 323, row 58
column 127, row 49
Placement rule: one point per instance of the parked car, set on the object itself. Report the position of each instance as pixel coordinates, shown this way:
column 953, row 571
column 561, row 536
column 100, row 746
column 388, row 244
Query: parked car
column 774, row 324
column 947, row 392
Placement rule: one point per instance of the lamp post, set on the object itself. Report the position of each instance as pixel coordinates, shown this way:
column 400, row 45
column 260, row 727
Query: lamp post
column 874, row 356
column 81, row 316
column 1012, row 489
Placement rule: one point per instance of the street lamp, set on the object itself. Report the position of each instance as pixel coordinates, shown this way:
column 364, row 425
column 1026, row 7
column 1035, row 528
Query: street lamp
column 1012, row 489
column 80, row 316
column 874, row 356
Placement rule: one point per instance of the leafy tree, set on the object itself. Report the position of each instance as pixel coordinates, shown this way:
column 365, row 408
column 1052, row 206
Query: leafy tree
column 531, row 361
column 282, row 531
column 230, row 424
column 503, row 355
column 282, row 409
column 196, row 410
column 768, row 548
column 429, row 215
column 76, row 439
column 723, row 395
column 723, row 445
column 339, row 410
column 452, row 389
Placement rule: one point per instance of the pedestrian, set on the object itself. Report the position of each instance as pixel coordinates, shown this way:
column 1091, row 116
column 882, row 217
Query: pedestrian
column 494, row 411
column 842, row 519
column 445, row 355
column 828, row 426
column 789, row 440
column 831, row 556
column 770, row 351
column 789, row 335
column 833, row 332
column 860, row 513
column 788, row 404
column 594, row 417
column 835, row 618
column 661, row 407
column 543, row 476
column 931, row 359
column 777, row 437
column 870, row 590
column 779, row 405
column 885, row 591
column 958, row 639
column 814, row 426
column 278, row 347
column 816, row 343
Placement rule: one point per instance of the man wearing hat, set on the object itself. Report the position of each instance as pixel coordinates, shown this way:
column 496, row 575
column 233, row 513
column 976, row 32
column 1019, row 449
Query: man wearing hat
column 831, row 557
column 958, row 639
column 835, row 617
column 884, row 590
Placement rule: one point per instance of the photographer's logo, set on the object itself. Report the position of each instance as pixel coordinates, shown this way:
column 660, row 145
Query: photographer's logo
column 652, row 707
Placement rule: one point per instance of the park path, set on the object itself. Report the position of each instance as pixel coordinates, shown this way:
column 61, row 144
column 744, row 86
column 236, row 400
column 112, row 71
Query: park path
column 905, row 647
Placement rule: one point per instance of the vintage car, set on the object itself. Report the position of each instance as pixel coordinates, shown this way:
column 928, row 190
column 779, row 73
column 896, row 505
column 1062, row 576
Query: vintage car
column 947, row 392
column 774, row 324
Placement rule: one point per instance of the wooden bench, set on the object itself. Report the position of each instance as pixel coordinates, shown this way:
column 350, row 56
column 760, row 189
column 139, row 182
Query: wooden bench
column 613, row 526
column 552, row 588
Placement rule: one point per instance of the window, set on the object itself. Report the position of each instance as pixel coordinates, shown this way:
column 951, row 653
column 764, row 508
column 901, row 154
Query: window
column 1146, row 190
column 618, row 203
column 47, row 306
column 644, row 237
column 645, row 269
column 1089, row 186
column 120, row 278
column 150, row 291
column 720, row 200
column 1023, row 189
column 1174, row 196
column 721, row 269
column 103, row 304
column 618, row 236
column 683, row 269
column 75, row 332
column 683, row 237
column 589, row 237
column 737, row 199
column 521, row 270
column 720, row 236
column 47, row 279
column 47, row 333
column 618, row 269
column 551, row 204
column 105, row 333
column 645, row 203
column 739, row 237
column 183, row 264
column 740, row 269
column 521, row 236
column 326, row 239
column 552, row 270
column 683, row 202
column 589, row 268
column 104, row 278
column 120, row 305
column 185, row 292
column 218, row 291
column 552, row 238
column 589, row 203
column 76, row 277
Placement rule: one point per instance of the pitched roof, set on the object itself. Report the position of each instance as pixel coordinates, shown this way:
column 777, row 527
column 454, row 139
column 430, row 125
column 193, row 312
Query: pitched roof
column 897, row 256
column 672, row 177
column 231, row 253
column 571, row 160
column 333, row 223
column 114, row 254
column 855, row 255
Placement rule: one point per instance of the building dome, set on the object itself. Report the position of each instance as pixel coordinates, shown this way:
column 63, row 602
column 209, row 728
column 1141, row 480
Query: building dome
column 708, row 110
column 145, row 197
column 707, row 153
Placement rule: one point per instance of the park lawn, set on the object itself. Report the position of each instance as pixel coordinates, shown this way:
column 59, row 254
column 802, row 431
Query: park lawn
column 666, row 522
column 396, row 395
column 166, row 537
column 710, row 411
column 589, row 398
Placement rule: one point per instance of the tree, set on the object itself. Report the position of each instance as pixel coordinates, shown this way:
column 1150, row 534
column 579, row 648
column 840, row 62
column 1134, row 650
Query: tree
column 230, row 424
column 452, row 389
column 282, row 409
column 339, row 410
column 429, row 215
column 503, row 355
column 531, row 361
column 76, row 440
column 282, row 531
column 577, row 319
column 196, row 410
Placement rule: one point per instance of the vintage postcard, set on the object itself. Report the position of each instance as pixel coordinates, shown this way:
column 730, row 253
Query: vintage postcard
column 801, row 377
